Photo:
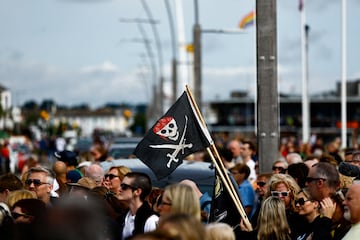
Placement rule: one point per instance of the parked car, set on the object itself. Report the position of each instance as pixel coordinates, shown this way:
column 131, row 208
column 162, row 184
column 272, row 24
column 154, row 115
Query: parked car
column 123, row 147
column 202, row 173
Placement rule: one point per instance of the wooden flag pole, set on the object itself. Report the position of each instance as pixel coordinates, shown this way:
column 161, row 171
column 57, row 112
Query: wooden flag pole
column 221, row 171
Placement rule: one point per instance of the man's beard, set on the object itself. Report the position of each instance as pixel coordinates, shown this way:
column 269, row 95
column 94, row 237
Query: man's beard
column 347, row 214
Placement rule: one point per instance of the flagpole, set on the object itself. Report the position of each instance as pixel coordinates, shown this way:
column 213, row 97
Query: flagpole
column 305, row 91
column 343, row 79
column 222, row 171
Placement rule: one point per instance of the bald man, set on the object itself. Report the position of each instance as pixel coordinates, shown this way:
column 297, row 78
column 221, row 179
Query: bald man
column 60, row 169
column 352, row 210
column 95, row 172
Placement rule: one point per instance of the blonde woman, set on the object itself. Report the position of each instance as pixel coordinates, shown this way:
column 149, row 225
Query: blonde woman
column 17, row 195
column 113, row 178
column 272, row 222
column 284, row 187
column 181, row 226
column 219, row 231
column 179, row 198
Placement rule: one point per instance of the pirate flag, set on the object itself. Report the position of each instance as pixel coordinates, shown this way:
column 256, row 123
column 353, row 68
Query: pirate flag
column 223, row 208
column 173, row 137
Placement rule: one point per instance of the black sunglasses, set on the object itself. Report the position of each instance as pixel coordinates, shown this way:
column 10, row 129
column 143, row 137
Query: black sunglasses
column 301, row 201
column 16, row 215
column 281, row 169
column 261, row 184
column 110, row 176
column 37, row 182
column 125, row 187
column 311, row 179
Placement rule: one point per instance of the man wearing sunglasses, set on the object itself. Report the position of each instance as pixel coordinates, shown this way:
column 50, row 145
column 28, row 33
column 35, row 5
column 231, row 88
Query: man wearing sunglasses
column 40, row 180
column 322, row 180
column 134, row 188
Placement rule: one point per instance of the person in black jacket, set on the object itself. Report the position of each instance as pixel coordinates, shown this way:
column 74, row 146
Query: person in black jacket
column 318, row 215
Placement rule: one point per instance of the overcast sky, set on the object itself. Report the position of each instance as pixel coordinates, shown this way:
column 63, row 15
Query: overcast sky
column 78, row 51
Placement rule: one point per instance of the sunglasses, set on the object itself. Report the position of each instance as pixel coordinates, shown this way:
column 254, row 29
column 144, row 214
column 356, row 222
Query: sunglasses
column 125, row 187
column 16, row 215
column 110, row 176
column 311, row 179
column 281, row 169
column 36, row 182
column 301, row 201
column 280, row 194
column 261, row 184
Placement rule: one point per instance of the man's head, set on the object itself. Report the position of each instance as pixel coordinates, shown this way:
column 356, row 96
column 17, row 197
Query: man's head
column 235, row 147
column 135, row 185
column 355, row 158
column 40, row 180
column 352, row 203
column 95, row 172
column 279, row 166
column 60, row 170
column 261, row 183
column 240, row 172
column 292, row 158
column 9, row 182
column 68, row 157
column 322, row 180
column 247, row 149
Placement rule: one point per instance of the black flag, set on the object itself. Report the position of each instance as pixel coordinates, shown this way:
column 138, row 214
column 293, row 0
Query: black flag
column 223, row 208
column 173, row 137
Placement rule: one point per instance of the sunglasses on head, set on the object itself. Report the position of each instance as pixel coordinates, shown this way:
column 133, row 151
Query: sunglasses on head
column 110, row 176
column 36, row 182
column 125, row 187
column 261, row 184
column 301, row 201
column 280, row 194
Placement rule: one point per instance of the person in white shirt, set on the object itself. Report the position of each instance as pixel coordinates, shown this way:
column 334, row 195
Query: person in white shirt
column 247, row 149
column 140, row 217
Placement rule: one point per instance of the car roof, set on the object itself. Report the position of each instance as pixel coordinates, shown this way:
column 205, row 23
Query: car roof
column 202, row 173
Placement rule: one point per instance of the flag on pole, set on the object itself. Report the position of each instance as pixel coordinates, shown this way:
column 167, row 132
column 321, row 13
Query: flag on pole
column 247, row 20
column 173, row 137
column 223, row 208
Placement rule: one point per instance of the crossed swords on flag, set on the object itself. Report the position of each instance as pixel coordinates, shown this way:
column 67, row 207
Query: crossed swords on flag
column 177, row 147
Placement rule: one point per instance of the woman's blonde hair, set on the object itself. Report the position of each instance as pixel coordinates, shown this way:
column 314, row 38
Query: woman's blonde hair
column 272, row 222
column 289, row 182
column 183, row 199
column 219, row 231
column 181, row 226
column 17, row 195
column 121, row 170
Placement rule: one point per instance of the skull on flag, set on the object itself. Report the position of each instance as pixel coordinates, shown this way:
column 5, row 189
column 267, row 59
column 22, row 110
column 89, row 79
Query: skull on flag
column 166, row 127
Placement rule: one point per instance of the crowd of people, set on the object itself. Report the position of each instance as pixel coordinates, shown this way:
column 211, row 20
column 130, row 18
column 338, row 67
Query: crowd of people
column 313, row 194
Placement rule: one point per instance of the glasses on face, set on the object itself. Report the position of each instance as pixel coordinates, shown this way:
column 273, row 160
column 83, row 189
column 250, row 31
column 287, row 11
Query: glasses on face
column 36, row 182
column 110, row 176
column 275, row 168
column 301, row 201
column 280, row 194
column 261, row 184
column 311, row 179
column 125, row 187
column 16, row 215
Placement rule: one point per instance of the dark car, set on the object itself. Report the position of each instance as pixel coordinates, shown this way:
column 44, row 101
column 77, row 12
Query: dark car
column 202, row 173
